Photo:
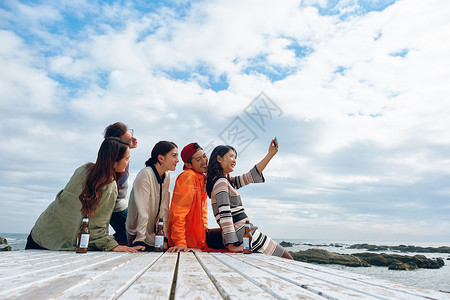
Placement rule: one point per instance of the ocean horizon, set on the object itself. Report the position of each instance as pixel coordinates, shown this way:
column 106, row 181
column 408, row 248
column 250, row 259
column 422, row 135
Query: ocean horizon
column 435, row 279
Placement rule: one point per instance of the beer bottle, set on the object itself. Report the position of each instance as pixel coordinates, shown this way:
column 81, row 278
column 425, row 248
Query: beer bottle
column 159, row 238
column 247, row 239
column 83, row 235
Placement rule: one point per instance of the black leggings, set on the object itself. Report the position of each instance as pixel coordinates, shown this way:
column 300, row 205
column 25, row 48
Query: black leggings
column 214, row 238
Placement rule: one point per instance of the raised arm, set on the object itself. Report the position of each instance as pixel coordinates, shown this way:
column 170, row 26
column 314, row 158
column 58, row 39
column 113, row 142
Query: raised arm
column 273, row 149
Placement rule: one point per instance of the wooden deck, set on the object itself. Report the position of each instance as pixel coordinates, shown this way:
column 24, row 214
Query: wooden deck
column 194, row 275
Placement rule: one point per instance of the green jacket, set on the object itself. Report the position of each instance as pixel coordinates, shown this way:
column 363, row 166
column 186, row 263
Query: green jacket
column 57, row 227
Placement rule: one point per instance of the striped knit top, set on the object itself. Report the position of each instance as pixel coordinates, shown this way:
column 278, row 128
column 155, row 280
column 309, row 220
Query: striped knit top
column 227, row 205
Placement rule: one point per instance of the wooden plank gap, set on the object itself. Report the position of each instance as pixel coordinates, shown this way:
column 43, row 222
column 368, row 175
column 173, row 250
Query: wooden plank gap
column 303, row 286
column 128, row 260
column 174, row 280
column 214, row 281
column 267, row 290
column 136, row 277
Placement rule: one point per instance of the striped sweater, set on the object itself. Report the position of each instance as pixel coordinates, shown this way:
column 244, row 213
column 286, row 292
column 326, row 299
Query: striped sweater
column 227, row 205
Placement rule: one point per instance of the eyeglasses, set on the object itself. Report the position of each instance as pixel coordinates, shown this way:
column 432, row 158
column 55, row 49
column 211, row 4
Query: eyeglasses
column 130, row 141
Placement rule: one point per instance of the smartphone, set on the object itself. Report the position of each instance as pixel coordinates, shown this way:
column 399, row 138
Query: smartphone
column 275, row 141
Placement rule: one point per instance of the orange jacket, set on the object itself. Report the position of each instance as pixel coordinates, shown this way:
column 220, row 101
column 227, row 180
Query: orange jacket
column 188, row 215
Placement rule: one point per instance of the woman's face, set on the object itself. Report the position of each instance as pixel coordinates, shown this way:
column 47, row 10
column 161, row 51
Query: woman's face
column 170, row 160
column 121, row 165
column 228, row 162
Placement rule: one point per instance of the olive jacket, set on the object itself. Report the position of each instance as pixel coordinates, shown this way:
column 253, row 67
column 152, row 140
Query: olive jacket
column 57, row 227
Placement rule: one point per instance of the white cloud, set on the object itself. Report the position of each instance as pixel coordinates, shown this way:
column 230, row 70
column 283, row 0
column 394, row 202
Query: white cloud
column 363, row 96
column 25, row 88
column 35, row 14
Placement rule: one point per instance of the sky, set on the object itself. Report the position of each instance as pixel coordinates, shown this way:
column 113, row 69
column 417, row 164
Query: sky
column 356, row 92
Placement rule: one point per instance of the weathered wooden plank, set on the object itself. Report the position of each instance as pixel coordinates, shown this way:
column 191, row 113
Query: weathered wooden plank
column 113, row 281
column 110, row 275
column 233, row 285
column 14, row 259
column 192, row 280
column 156, row 282
column 385, row 284
column 276, row 286
column 30, row 268
column 29, row 273
column 54, row 282
column 320, row 286
column 319, row 275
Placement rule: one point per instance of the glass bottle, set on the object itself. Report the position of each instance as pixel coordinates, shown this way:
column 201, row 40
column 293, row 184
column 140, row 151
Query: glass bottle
column 247, row 239
column 159, row 237
column 83, row 235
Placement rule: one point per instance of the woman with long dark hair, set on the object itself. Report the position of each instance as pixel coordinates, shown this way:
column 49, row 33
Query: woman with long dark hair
column 150, row 196
column 92, row 190
column 119, row 215
column 227, row 204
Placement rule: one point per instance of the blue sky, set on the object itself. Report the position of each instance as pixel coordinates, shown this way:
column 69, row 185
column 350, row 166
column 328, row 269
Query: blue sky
column 355, row 91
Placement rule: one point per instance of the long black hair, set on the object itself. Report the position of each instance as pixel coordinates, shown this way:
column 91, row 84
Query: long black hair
column 101, row 173
column 214, row 168
column 161, row 148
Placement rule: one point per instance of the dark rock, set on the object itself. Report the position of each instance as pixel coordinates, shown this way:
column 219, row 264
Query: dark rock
column 388, row 259
column 402, row 248
column 393, row 261
column 3, row 241
column 7, row 248
column 398, row 265
column 427, row 263
column 325, row 257
column 375, row 259
column 286, row 244
column 315, row 245
column 369, row 247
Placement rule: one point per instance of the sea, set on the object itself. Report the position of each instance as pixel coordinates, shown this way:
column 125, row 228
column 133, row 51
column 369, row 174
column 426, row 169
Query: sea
column 435, row 279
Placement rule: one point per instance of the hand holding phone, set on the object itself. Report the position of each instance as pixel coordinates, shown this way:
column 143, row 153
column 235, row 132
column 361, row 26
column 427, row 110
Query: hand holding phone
column 275, row 141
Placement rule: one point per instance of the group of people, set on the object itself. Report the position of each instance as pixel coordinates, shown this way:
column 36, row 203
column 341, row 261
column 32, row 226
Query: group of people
column 99, row 190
